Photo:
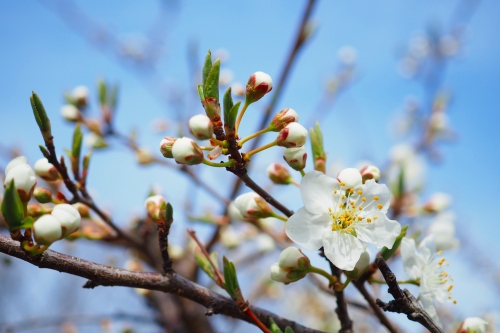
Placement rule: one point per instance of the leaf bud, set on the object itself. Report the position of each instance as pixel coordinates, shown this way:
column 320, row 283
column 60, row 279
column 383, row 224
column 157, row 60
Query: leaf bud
column 47, row 230
column 258, row 85
column 350, row 177
column 69, row 218
column 153, row 205
column 186, row 151
column 45, row 170
column 370, row 172
column 166, row 146
column 201, row 127
column 283, row 118
column 279, row 174
column 252, row 205
column 292, row 135
column 42, row 195
column 295, row 157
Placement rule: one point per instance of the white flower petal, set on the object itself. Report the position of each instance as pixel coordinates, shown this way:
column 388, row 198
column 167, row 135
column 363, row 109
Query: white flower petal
column 15, row 162
column 380, row 232
column 371, row 191
column 428, row 302
column 410, row 260
column 316, row 189
column 342, row 249
column 307, row 229
column 427, row 247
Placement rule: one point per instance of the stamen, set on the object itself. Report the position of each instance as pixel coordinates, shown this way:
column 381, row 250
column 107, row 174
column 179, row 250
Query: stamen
column 369, row 220
column 363, row 199
column 360, row 208
column 360, row 192
column 450, row 287
column 342, row 184
column 379, row 206
column 441, row 261
column 334, row 191
column 375, row 198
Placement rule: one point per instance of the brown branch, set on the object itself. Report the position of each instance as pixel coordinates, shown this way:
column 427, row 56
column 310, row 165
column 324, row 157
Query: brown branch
column 404, row 301
column 163, row 231
column 102, row 275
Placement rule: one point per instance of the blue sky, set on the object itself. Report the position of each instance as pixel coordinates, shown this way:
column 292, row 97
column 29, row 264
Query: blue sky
column 40, row 53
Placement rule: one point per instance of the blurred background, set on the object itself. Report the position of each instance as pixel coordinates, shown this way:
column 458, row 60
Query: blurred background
column 375, row 74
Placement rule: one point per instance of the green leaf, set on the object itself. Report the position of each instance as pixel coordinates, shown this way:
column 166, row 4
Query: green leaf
column 41, row 117
column 228, row 103
column 231, row 280
column 401, row 183
column 12, row 207
column 86, row 160
column 169, row 214
column 316, row 137
column 211, row 86
column 102, row 92
column 76, row 148
column 386, row 253
column 204, row 264
column 288, row 329
column 233, row 114
column 27, row 222
column 200, row 93
column 207, row 66
column 44, row 151
column 274, row 327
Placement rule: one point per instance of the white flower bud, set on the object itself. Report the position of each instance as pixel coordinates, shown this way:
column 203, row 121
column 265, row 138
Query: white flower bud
column 186, row 151
column 279, row 174
column 264, row 243
column 295, row 157
column 283, row 118
column 279, row 275
column 144, row 156
column 95, row 141
column 437, row 202
column 201, row 127
column 473, row 325
column 153, row 205
column 438, row 122
column 68, row 217
column 47, row 230
column 258, row 85
column 230, row 238
column 46, row 170
column 350, row 177
column 292, row 135
column 80, row 95
column 252, row 205
column 293, row 258
column 71, row 113
column 166, row 146
column 370, row 172
column 234, row 213
column 23, row 176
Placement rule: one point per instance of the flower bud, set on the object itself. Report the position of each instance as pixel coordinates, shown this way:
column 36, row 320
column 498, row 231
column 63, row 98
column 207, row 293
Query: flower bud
column 293, row 258
column 47, row 230
column 95, row 141
column 252, row 205
column 437, row 202
column 186, row 151
column 201, row 127
column 45, row 170
column 144, row 156
column 71, row 113
column 258, row 85
column 350, row 177
column 42, row 195
column 370, row 172
column 166, row 146
column 295, row 157
column 23, row 176
column 80, row 95
column 283, row 118
column 292, row 135
column 153, row 205
column 280, row 275
column 279, row 174
column 82, row 209
column 69, row 218
column 473, row 325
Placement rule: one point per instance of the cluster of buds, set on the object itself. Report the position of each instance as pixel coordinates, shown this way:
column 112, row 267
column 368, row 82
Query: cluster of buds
column 77, row 100
column 23, row 176
column 292, row 266
column 252, row 205
column 64, row 220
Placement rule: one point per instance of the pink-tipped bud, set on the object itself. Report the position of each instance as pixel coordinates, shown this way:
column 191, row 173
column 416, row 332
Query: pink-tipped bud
column 71, row 113
column 186, row 151
column 201, row 127
column 370, row 172
column 153, row 205
column 45, row 170
column 166, row 146
column 295, row 157
column 283, row 118
column 42, row 195
column 279, row 174
column 473, row 325
column 292, row 135
column 350, row 177
column 258, row 85
column 47, row 230
column 251, row 205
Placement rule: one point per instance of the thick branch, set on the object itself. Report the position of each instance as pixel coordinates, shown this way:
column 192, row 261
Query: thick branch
column 102, row 275
column 404, row 301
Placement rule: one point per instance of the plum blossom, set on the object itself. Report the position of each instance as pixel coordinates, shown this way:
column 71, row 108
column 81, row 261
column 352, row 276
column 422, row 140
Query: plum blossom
column 339, row 218
column 425, row 267
column 443, row 229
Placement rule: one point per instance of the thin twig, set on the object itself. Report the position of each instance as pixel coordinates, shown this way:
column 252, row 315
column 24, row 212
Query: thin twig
column 404, row 301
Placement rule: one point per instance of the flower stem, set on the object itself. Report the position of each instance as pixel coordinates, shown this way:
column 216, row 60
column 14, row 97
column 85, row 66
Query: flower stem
column 240, row 116
column 218, row 142
column 415, row 282
column 279, row 217
column 229, row 163
column 294, row 183
column 303, row 173
column 254, row 135
column 343, row 286
column 331, row 279
column 258, row 150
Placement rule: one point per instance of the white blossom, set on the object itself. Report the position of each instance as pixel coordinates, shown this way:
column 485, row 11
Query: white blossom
column 47, row 230
column 473, row 325
column 68, row 217
column 252, row 205
column 339, row 218
column 70, row 112
column 443, row 230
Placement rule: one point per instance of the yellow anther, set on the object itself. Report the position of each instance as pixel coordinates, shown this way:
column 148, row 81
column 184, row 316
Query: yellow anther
column 343, row 197
column 334, row 191
column 352, row 203
column 454, row 301
column 360, row 218
column 334, row 227
column 450, row 287
column 360, row 192
column 440, row 252
column 349, row 229
column 375, row 218
column 360, row 208
column 441, row 261
column 340, row 205
column 351, row 190
column 342, row 184
column 369, row 220
column 329, row 209
column 379, row 206
column 363, row 199
column 375, row 198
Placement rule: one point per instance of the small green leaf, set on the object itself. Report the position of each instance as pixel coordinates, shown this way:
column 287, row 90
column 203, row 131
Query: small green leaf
column 76, row 148
column 169, row 214
column 204, row 264
column 102, row 92
column 317, row 141
column 200, row 93
column 228, row 105
column 211, row 86
column 233, row 114
column 401, row 183
column 274, row 327
column 12, row 207
column 386, row 253
column 288, row 329
column 27, row 222
column 44, row 151
column 231, row 280
column 86, row 160
column 207, row 66
column 41, row 117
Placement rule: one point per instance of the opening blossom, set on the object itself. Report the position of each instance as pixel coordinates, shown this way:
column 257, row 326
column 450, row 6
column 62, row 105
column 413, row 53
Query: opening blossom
column 339, row 215
column 424, row 266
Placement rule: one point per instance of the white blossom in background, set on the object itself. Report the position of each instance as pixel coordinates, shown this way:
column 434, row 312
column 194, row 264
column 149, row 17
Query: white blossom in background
column 80, row 95
column 166, row 146
column 94, row 140
column 473, row 325
column 70, row 113
column 264, row 242
column 443, row 230
column 292, row 266
column 347, row 55
column 437, row 202
column 252, row 205
column 404, row 158
column 425, row 266
column 144, row 156
column 19, row 171
column 339, row 218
